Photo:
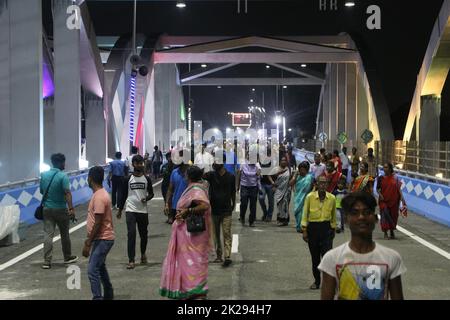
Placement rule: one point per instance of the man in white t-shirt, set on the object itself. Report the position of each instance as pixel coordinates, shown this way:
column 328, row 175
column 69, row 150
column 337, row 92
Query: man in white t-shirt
column 136, row 191
column 204, row 160
column 129, row 159
column 345, row 161
column 361, row 269
column 317, row 168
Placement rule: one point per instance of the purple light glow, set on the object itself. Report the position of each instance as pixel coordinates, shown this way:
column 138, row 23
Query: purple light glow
column 48, row 87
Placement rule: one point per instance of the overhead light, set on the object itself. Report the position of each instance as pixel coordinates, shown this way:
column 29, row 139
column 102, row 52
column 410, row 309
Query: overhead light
column 253, row 89
column 219, row 87
column 277, row 120
column 181, row 4
column 204, row 65
column 349, row 3
column 290, row 130
column 284, row 87
column 267, row 67
column 251, row 100
column 303, row 65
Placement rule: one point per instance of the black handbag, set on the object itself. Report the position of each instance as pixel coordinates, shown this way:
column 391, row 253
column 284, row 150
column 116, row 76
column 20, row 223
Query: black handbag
column 195, row 223
column 39, row 212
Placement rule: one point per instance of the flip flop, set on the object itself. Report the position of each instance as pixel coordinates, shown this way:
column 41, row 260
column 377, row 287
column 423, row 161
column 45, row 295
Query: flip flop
column 131, row 265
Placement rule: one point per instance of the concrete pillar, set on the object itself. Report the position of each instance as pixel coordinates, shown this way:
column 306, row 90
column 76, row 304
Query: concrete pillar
column 362, row 113
column 342, row 97
column 26, row 111
column 49, row 129
column 326, row 103
column 429, row 120
column 351, row 104
column 95, row 130
column 334, row 91
column 5, row 116
column 67, row 86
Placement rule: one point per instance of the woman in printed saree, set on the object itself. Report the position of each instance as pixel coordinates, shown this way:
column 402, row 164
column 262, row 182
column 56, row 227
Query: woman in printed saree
column 185, row 268
column 302, row 183
column 283, row 191
column 390, row 196
column 363, row 182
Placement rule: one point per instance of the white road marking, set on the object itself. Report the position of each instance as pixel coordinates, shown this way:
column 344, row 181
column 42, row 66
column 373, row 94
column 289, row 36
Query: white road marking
column 41, row 246
column 238, row 207
column 257, row 230
column 235, row 245
column 157, row 198
column 427, row 244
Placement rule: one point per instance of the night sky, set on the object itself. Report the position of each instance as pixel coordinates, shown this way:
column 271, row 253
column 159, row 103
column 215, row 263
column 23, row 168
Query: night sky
column 392, row 55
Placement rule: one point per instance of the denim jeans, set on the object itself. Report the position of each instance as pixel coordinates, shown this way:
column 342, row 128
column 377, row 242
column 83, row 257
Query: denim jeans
column 97, row 273
column 248, row 193
column 266, row 189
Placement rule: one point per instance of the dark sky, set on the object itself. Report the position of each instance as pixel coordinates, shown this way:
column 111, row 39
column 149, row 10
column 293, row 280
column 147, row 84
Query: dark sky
column 392, row 55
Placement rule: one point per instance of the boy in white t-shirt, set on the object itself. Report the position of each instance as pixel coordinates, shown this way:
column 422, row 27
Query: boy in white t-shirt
column 361, row 269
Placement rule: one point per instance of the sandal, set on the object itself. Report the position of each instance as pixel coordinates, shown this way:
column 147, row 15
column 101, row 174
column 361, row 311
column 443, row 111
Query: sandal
column 130, row 265
column 144, row 260
column 218, row 260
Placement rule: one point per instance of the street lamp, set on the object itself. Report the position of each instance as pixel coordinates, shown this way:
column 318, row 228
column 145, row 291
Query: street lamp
column 349, row 3
column 181, row 4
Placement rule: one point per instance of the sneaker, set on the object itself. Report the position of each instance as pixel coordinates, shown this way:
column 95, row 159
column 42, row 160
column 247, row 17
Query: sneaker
column 314, row 286
column 72, row 259
column 46, row 265
column 226, row 263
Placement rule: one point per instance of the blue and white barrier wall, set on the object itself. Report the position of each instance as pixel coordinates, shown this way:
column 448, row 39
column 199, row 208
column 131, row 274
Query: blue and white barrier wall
column 28, row 198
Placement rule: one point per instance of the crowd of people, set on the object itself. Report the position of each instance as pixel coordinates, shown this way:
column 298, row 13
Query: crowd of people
column 200, row 197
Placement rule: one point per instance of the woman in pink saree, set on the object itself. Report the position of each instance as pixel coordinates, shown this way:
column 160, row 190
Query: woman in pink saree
column 185, row 268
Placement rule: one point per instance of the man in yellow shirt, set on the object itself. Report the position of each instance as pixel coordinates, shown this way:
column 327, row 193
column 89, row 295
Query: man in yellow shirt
column 319, row 225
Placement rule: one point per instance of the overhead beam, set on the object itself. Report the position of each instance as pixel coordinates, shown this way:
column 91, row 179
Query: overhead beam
column 265, row 42
column 253, row 82
column 341, row 41
column 256, row 57
column 205, row 71
column 306, row 73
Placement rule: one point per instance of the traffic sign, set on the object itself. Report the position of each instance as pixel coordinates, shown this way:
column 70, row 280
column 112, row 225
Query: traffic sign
column 367, row 136
column 342, row 138
column 323, row 137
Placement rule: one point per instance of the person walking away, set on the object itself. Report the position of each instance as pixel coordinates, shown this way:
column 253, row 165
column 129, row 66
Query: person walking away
column 282, row 191
column 166, row 171
column 372, row 162
column 117, row 170
column 222, row 194
column 58, row 210
column 157, row 160
column 363, row 182
column 100, row 236
column 302, row 182
column 267, row 185
column 361, row 269
column 137, row 191
column 319, row 225
column 340, row 192
column 185, row 267
column 248, row 184
column 178, row 183
column 389, row 197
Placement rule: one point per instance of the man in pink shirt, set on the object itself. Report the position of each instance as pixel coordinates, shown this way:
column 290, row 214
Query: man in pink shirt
column 100, row 233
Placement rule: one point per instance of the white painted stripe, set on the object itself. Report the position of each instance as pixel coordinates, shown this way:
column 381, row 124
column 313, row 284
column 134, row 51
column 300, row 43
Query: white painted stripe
column 41, row 246
column 238, row 207
column 235, row 245
column 424, row 242
column 158, row 198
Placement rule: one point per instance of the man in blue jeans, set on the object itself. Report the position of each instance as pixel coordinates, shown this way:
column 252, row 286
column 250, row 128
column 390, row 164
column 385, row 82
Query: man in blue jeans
column 100, row 236
column 266, row 189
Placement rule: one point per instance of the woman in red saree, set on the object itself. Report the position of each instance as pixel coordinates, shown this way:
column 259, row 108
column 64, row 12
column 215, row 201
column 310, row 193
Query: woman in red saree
column 363, row 182
column 332, row 176
column 390, row 196
column 185, row 268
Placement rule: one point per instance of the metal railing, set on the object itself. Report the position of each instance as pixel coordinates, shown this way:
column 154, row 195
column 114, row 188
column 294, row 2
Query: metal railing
column 429, row 161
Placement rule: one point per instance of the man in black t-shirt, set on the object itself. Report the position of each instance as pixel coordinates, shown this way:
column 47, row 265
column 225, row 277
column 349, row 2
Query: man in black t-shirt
column 222, row 194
